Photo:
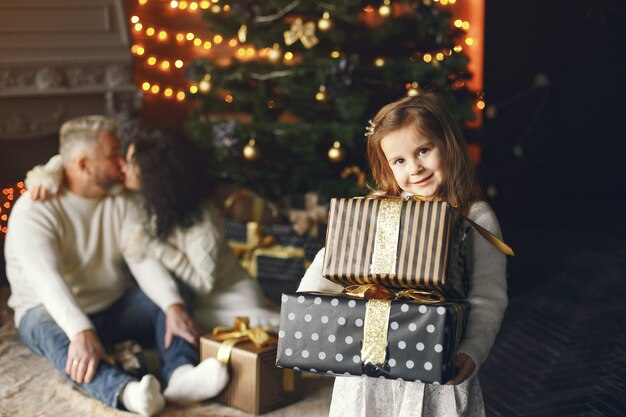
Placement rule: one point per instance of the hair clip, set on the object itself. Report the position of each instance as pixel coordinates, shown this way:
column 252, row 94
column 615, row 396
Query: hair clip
column 370, row 129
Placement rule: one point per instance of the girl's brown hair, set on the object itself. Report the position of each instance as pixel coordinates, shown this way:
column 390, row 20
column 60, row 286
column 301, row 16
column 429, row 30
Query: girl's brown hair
column 427, row 114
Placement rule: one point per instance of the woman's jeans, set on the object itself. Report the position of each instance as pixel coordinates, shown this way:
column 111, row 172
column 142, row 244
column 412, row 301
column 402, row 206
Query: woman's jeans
column 134, row 316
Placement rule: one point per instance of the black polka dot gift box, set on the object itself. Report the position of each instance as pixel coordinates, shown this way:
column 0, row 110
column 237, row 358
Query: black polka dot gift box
column 337, row 335
column 397, row 243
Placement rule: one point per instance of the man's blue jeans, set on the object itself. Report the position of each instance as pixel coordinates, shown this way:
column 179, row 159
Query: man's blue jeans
column 134, row 316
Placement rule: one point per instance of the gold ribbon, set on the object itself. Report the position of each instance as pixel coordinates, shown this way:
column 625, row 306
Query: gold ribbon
column 377, row 315
column 386, row 239
column 240, row 332
column 375, row 331
column 305, row 32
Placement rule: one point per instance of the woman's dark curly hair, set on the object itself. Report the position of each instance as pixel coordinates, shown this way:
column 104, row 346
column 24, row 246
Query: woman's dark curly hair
column 175, row 182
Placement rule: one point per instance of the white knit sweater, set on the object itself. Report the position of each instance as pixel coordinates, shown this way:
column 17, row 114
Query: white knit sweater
column 66, row 253
column 487, row 295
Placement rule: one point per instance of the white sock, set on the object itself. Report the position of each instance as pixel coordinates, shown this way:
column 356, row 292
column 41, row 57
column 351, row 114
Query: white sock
column 190, row 383
column 143, row 397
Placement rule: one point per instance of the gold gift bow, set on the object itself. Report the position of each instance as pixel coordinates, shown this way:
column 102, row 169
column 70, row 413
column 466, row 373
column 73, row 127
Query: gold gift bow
column 490, row 237
column 258, row 203
column 305, row 32
column 374, row 348
column 240, row 332
column 254, row 240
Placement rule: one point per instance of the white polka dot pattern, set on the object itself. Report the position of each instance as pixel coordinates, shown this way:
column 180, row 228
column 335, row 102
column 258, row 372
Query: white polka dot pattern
column 325, row 334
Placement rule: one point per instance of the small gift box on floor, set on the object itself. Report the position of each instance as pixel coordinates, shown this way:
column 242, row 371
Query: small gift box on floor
column 256, row 386
column 400, row 339
column 397, row 243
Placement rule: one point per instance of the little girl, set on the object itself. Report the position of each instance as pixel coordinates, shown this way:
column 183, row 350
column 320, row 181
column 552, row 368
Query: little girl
column 414, row 147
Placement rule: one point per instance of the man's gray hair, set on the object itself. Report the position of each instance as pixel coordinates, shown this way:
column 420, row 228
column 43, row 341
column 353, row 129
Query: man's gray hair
column 83, row 131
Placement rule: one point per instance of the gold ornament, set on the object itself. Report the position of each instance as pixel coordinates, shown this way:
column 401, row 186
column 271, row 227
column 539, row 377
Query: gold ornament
column 384, row 9
column 205, row 84
column 413, row 90
column 251, row 151
column 242, row 33
column 336, row 153
column 305, row 32
column 321, row 95
column 325, row 23
column 274, row 54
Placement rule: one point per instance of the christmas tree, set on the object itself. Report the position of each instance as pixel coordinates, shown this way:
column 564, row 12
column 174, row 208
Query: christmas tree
column 286, row 112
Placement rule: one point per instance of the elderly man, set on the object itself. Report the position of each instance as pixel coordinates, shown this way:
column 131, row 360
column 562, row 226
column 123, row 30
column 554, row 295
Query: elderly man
column 69, row 292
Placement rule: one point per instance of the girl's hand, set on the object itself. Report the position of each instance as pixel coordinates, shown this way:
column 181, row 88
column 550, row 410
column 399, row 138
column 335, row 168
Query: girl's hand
column 465, row 365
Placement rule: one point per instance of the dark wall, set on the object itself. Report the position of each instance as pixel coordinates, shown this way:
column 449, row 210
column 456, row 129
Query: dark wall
column 571, row 166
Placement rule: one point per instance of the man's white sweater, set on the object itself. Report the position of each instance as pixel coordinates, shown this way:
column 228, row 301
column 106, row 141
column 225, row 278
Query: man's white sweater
column 66, row 253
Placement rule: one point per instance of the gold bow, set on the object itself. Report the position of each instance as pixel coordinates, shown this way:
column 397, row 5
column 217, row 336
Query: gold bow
column 305, row 32
column 240, row 332
column 378, row 292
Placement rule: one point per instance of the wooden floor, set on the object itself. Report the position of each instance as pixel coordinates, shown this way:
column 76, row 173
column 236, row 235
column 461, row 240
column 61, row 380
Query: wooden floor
column 562, row 348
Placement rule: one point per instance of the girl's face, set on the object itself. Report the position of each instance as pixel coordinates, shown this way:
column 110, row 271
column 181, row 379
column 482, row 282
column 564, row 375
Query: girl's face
column 417, row 161
column 132, row 174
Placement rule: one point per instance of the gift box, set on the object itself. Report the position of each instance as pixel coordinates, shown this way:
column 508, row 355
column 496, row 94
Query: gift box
column 256, row 386
column 244, row 206
column 278, row 269
column 401, row 339
column 285, row 235
column 397, row 243
column 129, row 356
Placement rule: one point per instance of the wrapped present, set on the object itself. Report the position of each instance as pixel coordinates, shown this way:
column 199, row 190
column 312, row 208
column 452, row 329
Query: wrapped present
column 306, row 220
column 129, row 356
column 397, row 243
column 396, row 339
column 256, row 386
column 278, row 269
column 284, row 235
column 244, row 206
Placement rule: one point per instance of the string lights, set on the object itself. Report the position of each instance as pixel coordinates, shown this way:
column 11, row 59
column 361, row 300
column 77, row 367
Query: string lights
column 7, row 199
column 203, row 45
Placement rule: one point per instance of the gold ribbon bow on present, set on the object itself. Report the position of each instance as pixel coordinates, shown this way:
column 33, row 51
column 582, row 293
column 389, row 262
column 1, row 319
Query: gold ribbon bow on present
column 378, row 292
column 305, row 32
column 240, row 332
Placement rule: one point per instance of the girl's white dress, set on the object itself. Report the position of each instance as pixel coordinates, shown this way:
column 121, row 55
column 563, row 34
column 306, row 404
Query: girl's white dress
column 368, row 397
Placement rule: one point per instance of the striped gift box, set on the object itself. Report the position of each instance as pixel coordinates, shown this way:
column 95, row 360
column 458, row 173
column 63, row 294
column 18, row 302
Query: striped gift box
column 397, row 243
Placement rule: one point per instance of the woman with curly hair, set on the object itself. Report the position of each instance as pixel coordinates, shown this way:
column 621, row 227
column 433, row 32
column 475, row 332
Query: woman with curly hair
column 185, row 232
column 182, row 229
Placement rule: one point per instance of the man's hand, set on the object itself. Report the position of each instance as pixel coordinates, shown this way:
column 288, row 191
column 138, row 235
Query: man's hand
column 84, row 355
column 465, row 365
column 179, row 323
